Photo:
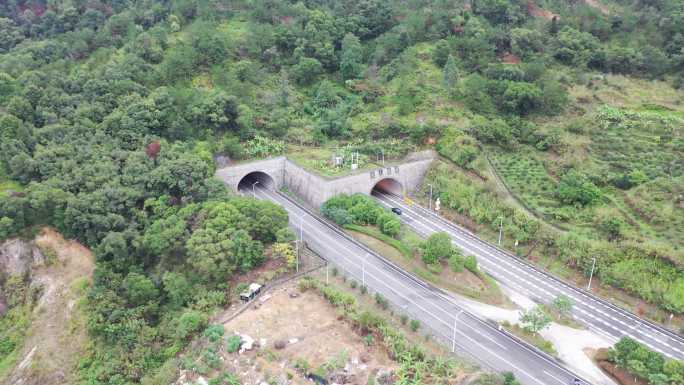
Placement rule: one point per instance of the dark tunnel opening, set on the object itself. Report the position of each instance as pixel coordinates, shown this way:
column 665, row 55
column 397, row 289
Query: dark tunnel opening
column 256, row 179
column 388, row 185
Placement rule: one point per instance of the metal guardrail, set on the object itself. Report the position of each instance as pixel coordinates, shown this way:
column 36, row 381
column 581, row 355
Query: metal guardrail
column 270, row 286
column 536, row 351
column 548, row 275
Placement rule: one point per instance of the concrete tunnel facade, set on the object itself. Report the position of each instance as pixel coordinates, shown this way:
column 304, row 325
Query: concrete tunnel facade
column 278, row 172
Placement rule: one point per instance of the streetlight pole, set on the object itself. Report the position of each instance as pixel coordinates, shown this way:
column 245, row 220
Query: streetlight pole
column 363, row 270
column 591, row 275
column 500, row 230
column 453, row 339
column 301, row 240
column 383, row 157
column 253, row 191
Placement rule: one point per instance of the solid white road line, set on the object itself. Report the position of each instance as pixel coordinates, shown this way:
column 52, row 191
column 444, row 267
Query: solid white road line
column 418, row 219
column 335, row 241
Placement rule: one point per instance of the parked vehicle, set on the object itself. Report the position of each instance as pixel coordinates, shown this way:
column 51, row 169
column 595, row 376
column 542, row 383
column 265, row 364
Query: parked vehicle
column 252, row 291
column 396, row 210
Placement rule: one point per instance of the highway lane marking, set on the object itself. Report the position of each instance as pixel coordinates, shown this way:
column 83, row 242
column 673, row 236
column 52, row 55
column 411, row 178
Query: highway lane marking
column 407, row 287
column 617, row 310
column 554, row 377
column 407, row 299
column 546, row 284
column 418, row 219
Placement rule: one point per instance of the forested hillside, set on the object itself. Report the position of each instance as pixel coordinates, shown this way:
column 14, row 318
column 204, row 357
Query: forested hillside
column 111, row 113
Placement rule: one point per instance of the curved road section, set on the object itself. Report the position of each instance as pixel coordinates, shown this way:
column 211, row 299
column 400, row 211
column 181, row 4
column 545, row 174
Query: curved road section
column 434, row 308
column 599, row 315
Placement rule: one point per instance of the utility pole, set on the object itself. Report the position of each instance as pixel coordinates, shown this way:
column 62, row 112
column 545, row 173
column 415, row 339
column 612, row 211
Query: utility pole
column 253, row 191
column 500, row 230
column 591, row 275
column 453, row 339
column 430, row 203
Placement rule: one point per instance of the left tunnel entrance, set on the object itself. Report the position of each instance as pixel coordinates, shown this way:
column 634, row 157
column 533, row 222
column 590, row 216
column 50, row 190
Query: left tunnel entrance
column 256, row 179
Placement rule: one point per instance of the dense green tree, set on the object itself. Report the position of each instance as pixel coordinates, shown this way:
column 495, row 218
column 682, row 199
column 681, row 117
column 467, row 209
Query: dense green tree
column 306, row 70
column 139, row 289
column 10, row 34
column 450, row 74
column 436, row 248
column 576, row 188
column 535, row 320
column 491, row 130
column 573, row 47
column 351, row 60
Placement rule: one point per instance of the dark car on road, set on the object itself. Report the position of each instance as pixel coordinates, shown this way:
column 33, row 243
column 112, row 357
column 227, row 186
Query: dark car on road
column 396, row 210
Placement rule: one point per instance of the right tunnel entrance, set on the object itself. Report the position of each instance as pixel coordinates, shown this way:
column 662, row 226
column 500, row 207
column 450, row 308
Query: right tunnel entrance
column 389, row 186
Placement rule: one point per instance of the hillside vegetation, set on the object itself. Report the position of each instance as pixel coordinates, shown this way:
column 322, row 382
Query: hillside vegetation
column 111, row 112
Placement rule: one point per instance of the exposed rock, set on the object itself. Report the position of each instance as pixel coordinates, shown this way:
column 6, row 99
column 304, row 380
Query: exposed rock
column 343, row 378
column 386, row 377
column 247, row 343
column 222, row 161
column 3, row 304
column 17, row 257
column 280, row 344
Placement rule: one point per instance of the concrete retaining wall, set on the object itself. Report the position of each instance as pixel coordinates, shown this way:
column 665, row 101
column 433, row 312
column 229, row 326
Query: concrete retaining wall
column 315, row 189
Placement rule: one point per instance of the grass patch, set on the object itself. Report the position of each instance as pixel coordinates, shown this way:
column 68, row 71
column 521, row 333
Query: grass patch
column 320, row 160
column 532, row 338
column 404, row 249
column 477, row 286
column 561, row 319
column 6, row 184
column 13, row 327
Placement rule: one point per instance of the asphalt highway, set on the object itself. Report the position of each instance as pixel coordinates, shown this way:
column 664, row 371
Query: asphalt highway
column 434, row 308
column 597, row 314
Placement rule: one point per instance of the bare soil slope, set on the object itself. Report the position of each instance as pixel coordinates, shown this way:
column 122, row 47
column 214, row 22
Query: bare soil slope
column 57, row 335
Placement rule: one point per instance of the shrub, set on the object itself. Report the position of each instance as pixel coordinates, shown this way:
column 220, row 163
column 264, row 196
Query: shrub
column 381, row 301
column 302, row 365
column 456, row 263
column 509, row 379
column 562, row 304
column 353, row 284
column 338, row 298
column 364, row 289
column 233, row 343
column 404, row 319
column 414, row 325
column 214, row 332
column 436, row 248
column 189, row 323
column 335, row 271
column 307, row 283
column 576, row 188
column 470, row 263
